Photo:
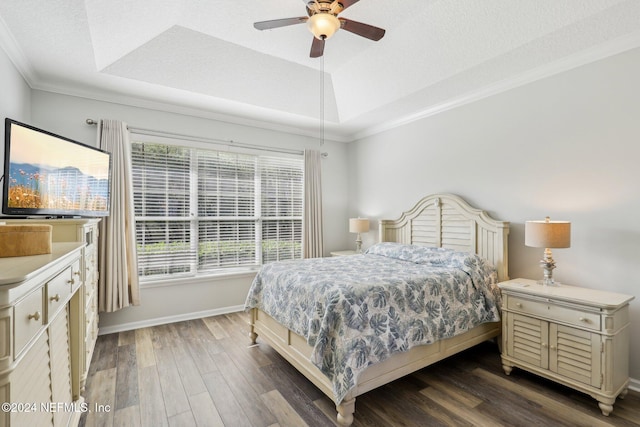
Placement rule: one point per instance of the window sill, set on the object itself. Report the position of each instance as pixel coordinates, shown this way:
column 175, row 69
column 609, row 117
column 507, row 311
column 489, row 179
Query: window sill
column 203, row 278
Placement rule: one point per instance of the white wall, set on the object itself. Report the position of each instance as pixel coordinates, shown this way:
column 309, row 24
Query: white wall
column 567, row 146
column 65, row 115
column 15, row 98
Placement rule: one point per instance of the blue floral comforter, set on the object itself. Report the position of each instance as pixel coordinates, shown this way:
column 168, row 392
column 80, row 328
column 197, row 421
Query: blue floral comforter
column 358, row 310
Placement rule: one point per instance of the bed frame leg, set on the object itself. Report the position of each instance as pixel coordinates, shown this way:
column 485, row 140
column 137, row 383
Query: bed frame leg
column 345, row 412
column 252, row 332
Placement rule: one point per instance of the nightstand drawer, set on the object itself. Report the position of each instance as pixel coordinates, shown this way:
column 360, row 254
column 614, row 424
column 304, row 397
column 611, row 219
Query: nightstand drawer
column 550, row 310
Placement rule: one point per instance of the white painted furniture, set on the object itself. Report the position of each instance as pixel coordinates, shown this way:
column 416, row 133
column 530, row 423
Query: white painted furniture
column 441, row 220
column 36, row 338
column 576, row 336
column 85, row 312
column 343, row 253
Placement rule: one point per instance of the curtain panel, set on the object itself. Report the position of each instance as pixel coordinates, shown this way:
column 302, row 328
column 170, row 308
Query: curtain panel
column 118, row 282
column 313, row 241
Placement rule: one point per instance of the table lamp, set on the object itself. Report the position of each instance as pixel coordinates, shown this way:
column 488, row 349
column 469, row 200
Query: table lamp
column 358, row 225
column 547, row 234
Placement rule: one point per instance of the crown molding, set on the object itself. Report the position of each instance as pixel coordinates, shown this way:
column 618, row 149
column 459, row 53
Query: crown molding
column 270, row 121
column 585, row 57
column 15, row 54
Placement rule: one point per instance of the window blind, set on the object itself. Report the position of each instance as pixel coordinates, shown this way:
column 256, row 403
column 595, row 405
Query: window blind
column 282, row 183
column 226, row 210
column 203, row 211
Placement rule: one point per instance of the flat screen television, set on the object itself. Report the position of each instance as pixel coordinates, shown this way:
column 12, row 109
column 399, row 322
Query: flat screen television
column 50, row 175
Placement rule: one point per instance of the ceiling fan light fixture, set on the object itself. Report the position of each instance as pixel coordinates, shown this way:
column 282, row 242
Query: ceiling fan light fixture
column 323, row 25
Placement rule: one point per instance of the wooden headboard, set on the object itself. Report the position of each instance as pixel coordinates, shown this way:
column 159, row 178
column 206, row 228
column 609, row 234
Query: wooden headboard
column 447, row 221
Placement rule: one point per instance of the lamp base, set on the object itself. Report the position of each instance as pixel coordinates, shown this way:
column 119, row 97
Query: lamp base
column 359, row 244
column 548, row 282
column 548, row 264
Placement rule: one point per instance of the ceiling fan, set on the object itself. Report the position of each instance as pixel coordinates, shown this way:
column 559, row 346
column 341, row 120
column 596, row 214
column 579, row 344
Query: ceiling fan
column 323, row 22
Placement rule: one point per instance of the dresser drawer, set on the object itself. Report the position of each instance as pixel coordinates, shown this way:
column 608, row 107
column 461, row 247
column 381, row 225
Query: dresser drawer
column 88, row 279
column 91, row 308
column 76, row 275
column 550, row 310
column 92, row 331
column 90, row 294
column 28, row 319
column 58, row 291
column 89, row 265
column 90, row 341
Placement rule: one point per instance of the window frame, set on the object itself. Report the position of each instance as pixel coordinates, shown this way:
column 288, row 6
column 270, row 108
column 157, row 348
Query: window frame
column 195, row 220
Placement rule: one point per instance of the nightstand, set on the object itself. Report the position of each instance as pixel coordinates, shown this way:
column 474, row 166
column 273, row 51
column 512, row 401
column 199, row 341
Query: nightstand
column 343, row 253
column 575, row 336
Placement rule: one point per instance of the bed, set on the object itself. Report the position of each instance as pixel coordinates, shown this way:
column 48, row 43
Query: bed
column 440, row 240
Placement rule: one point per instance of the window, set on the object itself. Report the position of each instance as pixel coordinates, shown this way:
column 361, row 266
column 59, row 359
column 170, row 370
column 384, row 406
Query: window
column 202, row 211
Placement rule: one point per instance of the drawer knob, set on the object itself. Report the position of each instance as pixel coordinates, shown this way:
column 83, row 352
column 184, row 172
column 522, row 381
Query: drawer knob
column 553, row 347
column 544, row 345
column 519, row 304
column 585, row 320
column 77, row 273
column 35, row 316
column 55, row 298
column 71, row 282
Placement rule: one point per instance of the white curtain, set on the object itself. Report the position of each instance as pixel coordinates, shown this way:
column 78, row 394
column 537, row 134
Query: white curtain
column 313, row 244
column 118, row 264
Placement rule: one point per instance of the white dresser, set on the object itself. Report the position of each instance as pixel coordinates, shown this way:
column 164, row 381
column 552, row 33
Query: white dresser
column 84, row 311
column 36, row 339
column 576, row 336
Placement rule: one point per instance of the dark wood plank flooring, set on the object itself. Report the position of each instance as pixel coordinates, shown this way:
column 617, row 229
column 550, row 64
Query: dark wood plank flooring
column 202, row 373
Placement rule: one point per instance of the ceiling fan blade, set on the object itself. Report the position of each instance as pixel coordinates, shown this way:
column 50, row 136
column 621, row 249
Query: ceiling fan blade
column 277, row 23
column 317, row 48
column 346, row 3
column 364, row 30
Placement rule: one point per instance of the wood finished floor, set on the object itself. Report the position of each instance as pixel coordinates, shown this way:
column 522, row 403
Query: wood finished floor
column 201, row 373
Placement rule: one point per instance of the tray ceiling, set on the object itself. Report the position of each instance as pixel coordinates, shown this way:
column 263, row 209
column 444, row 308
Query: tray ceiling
column 206, row 57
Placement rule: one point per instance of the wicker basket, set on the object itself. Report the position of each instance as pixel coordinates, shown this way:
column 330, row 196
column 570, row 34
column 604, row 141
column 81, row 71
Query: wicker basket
column 23, row 240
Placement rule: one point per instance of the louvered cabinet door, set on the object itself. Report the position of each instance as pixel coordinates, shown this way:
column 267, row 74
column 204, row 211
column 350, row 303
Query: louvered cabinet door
column 575, row 354
column 60, row 367
column 31, row 385
column 528, row 339
column 578, row 337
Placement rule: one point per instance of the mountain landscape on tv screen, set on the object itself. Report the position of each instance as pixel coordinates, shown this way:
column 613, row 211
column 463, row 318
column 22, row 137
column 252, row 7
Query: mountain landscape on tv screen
column 61, row 189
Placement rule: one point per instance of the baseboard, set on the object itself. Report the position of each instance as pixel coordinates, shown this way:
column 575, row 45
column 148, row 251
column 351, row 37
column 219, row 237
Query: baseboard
column 168, row 319
column 634, row 384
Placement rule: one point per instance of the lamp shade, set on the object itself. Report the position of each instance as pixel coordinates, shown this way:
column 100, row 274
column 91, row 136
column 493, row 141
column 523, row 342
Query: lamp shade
column 323, row 25
column 358, row 225
column 547, row 234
